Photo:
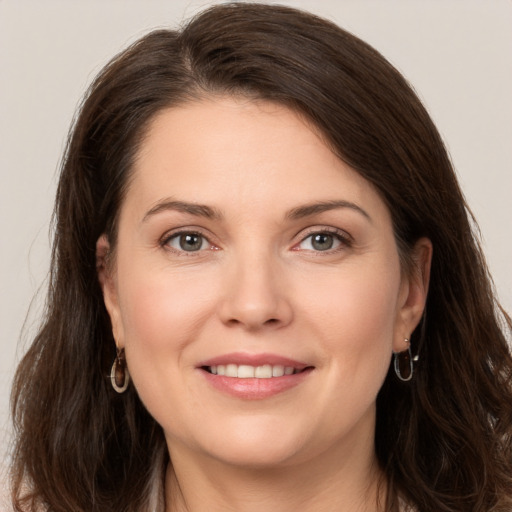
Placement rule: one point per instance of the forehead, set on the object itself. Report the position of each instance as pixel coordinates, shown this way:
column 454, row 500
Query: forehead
column 225, row 150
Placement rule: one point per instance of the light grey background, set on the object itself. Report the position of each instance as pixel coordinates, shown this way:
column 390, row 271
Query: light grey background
column 456, row 53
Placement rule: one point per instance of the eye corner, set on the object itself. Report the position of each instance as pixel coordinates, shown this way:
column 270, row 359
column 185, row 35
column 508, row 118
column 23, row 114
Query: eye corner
column 187, row 242
column 330, row 240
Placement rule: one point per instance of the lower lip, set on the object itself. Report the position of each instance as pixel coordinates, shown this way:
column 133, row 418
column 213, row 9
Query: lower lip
column 255, row 389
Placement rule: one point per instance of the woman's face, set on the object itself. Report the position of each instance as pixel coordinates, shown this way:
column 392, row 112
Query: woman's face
column 246, row 247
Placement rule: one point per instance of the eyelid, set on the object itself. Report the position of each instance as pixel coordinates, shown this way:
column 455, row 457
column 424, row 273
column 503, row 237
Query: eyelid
column 185, row 230
column 345, row 238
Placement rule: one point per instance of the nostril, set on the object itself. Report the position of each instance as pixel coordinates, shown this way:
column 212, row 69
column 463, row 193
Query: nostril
column 270, row 321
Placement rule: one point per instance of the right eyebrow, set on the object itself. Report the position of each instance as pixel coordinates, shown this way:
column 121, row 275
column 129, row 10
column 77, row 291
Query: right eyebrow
column 199, row 210
column 324, row 206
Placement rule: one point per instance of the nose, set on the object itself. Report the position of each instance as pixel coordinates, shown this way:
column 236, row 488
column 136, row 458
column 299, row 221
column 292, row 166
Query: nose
column 256, row 296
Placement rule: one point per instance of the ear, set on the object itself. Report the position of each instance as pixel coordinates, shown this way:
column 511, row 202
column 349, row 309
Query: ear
column 413, row 294
column 106, row 277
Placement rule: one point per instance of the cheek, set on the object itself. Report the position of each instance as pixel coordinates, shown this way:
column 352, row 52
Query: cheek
column 161, row 312
column 355, row 323
column 160, row 308
column 355, row 317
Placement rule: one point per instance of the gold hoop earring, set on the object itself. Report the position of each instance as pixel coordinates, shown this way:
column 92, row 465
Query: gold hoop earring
column 119, row 375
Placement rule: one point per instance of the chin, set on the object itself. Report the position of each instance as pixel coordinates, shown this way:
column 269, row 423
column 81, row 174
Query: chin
column 256, row 444
column 255, row 456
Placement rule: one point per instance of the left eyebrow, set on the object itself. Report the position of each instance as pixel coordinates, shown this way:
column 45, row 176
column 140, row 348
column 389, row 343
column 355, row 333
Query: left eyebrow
column 199, row 210
column 314, row 208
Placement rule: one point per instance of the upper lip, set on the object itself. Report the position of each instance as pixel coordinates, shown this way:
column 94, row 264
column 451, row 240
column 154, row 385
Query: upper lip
column 242, row 358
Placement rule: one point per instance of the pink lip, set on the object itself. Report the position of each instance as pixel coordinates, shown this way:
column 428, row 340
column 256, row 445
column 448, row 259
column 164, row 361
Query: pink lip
column 254, row 389
column 253, row 360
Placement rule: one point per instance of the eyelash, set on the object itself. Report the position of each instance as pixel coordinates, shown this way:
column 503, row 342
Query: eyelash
column 166, row 239
column 342, row 237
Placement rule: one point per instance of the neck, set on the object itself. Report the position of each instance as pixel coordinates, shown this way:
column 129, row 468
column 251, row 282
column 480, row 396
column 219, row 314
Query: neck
column 342, row 482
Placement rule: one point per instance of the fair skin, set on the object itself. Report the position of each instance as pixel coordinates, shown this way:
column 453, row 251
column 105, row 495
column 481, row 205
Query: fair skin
column 245, row 243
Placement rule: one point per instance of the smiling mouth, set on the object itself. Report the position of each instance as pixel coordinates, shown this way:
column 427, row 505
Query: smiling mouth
column 244, row 371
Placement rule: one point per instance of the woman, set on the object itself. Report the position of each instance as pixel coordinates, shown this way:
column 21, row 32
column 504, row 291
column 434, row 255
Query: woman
column 265, row 290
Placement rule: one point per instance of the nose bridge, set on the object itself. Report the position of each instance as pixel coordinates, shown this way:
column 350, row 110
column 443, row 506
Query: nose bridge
column 255, row 296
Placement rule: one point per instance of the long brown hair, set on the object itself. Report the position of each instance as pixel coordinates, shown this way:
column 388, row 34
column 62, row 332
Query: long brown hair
column 442, row 439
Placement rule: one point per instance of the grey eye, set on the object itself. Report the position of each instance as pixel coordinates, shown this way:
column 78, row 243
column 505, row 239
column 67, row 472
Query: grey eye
column 191, row 242
column 188, row 242
column 322, row 241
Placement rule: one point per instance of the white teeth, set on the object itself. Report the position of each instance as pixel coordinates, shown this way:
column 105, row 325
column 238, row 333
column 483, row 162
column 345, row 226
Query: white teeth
column 244, row 371
column 231, row 370
column 277, row 371
column 263, row 372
